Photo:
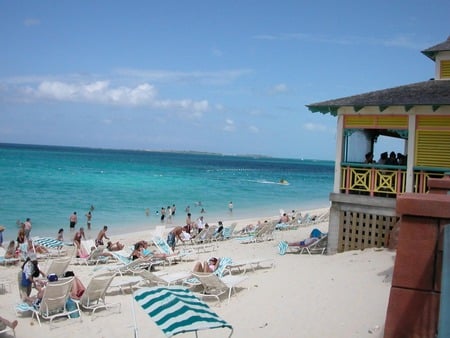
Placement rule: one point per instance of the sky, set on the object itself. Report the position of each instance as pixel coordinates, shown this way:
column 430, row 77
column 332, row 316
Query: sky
column 231, row 77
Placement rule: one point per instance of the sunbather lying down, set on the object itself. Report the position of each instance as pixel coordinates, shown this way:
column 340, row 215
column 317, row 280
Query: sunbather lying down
column 305, row 242
column 315, row 235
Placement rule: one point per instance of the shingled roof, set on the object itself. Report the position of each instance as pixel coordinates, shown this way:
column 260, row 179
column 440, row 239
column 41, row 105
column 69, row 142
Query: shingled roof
column 432, row 92
column 441, row 47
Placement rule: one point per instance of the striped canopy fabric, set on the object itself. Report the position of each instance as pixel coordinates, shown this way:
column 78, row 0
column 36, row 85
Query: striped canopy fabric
column 48, row 242
column 177, row 310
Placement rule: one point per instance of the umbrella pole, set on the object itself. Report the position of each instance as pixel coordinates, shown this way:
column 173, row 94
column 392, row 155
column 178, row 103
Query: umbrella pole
column 134, row 318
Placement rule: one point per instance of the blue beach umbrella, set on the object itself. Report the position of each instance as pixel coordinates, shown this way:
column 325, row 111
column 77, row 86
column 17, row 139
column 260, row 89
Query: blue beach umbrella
column 177, row 310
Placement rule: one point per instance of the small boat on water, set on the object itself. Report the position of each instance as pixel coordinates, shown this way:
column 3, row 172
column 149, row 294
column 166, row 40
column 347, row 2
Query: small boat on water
column 283, row 181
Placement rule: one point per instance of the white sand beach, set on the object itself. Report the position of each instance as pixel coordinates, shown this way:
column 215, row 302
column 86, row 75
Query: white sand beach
column 343, row 295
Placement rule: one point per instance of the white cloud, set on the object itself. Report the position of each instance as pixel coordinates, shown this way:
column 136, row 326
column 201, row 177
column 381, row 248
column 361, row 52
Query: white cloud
column 253, row 129
column 164, row 76
column 278, row 88
column 101, row 92
column 315, row 127
column 229, row 126
column 402, row 41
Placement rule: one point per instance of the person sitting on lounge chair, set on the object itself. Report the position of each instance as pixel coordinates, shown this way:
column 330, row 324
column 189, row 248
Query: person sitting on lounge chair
column 209, row 266
column 141, row 250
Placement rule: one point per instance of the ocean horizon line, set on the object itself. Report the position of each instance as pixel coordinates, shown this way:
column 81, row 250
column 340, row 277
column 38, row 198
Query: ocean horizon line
column 171, row 151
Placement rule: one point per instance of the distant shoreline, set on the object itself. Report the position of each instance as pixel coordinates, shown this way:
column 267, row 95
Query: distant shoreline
column 190, row 152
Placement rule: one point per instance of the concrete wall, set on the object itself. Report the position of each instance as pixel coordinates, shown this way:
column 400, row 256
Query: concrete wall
column 413, row 309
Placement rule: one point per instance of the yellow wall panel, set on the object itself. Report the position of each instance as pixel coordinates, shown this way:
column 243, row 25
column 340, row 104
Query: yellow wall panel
column 376, row 121
column 445, row 69
column 433, row 148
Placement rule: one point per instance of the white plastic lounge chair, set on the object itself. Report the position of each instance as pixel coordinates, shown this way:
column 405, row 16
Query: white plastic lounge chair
column 227, row 232
column 135, row 266
column 263, row 233
column 55, row 247
column 54, row 301
column 6, row 261
column 222, row 269
column 164, row 248
column 95, row 257
column 5, row 329
column 132, row 267
column 58, row 266
column 93, row 297
column 160, row 231
column 165, row 279
column 177, row 310
column 317, row 246
column 252, row 263
column 214, row 286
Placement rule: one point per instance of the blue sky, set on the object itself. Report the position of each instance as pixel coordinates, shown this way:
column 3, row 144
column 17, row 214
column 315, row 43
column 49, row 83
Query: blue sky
column 218, row 76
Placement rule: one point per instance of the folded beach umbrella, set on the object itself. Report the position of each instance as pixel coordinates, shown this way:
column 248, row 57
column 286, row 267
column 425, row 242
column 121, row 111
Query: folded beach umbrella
column 48, row 242
column 177, row 310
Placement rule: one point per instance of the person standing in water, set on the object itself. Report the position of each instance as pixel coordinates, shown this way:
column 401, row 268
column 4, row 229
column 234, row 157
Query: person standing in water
column 88, row 220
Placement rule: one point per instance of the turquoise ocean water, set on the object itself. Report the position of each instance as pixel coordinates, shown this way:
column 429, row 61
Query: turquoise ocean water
column 48, row 183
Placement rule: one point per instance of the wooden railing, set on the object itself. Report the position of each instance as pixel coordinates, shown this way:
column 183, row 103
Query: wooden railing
column 383, row 180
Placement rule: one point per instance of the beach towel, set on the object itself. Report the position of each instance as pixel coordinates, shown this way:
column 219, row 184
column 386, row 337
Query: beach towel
column 282, row 247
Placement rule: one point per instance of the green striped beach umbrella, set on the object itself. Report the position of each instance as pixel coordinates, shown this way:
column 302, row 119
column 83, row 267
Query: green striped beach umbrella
column 48, row 242
column 177, row 310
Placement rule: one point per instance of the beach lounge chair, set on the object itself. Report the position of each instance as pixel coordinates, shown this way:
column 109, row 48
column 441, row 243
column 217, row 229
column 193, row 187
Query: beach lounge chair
column 94, row 296
column 95, row 257
column 168, row 279
column 160, row 231
column 227, row 232
column 55, row 247
column 6, row 261
column 54, row 301
column 164, row 248
column 263, row 233
column 58, row 266
column 177, row 310
column 243, row 265
column 22, row 307
column 213, row 286
column 132, row 267
column 204, row 236
column 4, row 329
column 222, row 269
column 317, row 246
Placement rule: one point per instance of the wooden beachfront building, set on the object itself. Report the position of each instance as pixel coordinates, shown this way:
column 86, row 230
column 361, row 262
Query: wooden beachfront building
column 363, row 201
